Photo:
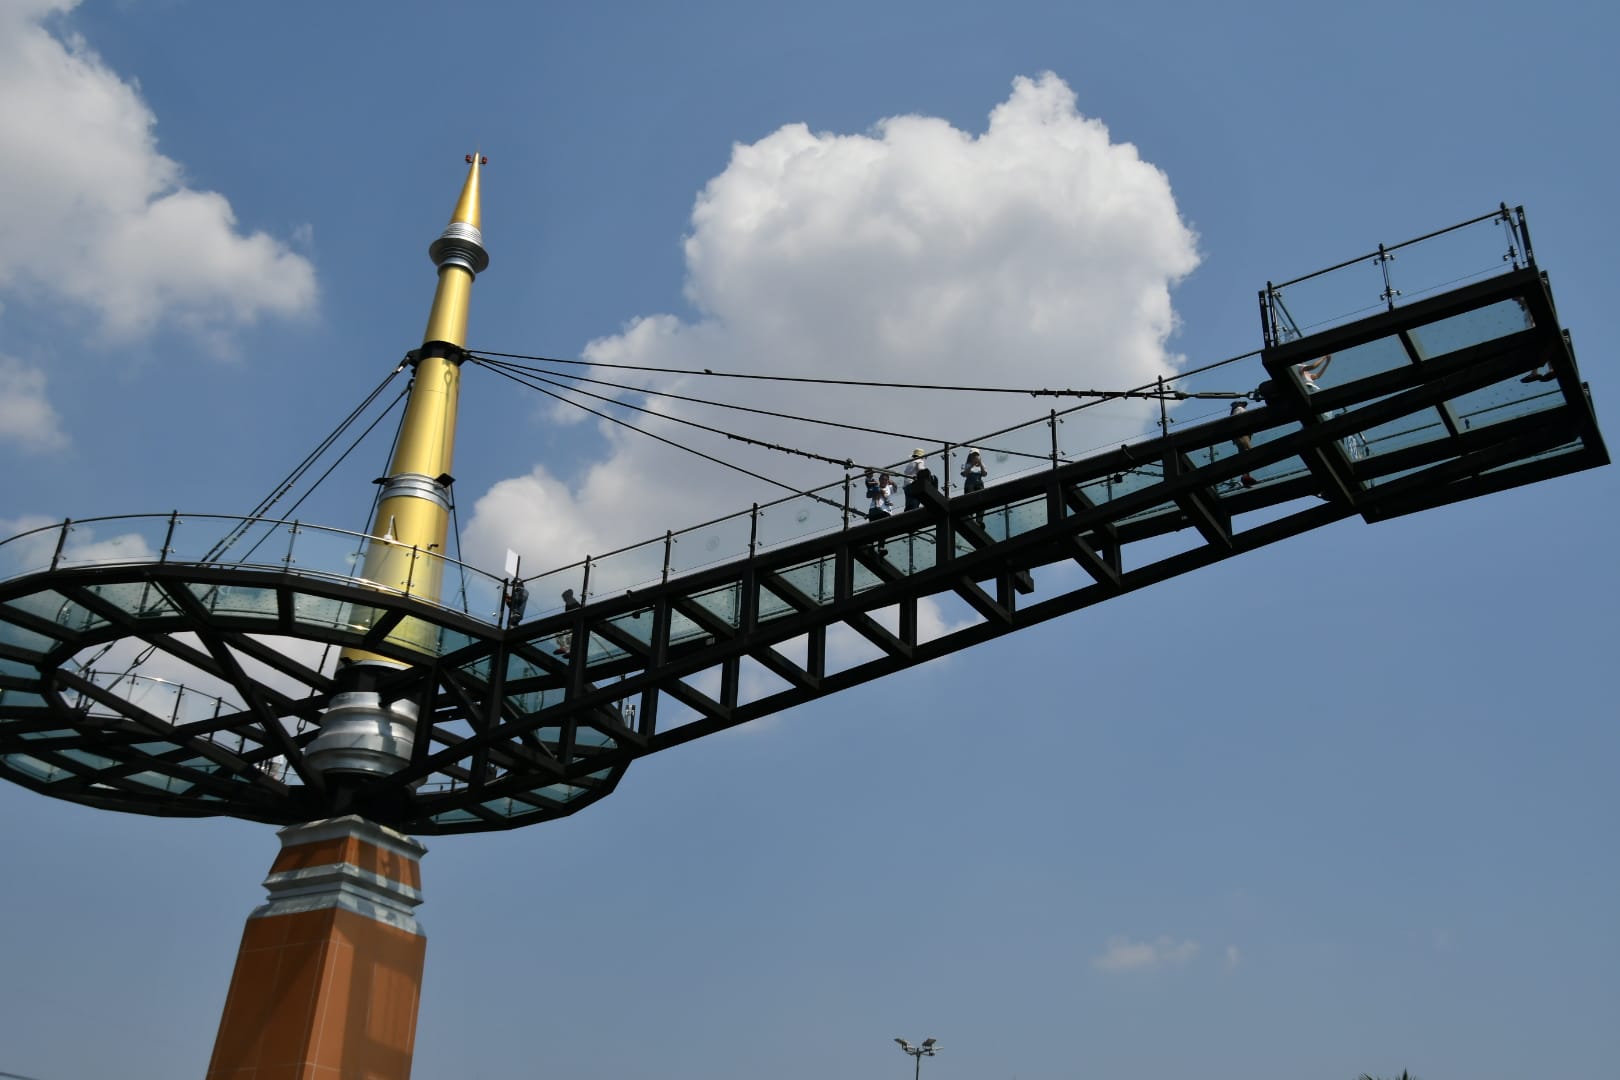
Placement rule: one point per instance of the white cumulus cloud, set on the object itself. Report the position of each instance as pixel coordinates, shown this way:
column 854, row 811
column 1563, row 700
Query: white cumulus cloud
column 1122, row 954
column 95, row 215
column 1038, row 253
column 27, row 419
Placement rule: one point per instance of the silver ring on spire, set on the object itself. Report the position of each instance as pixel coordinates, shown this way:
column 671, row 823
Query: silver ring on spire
column 460, row 245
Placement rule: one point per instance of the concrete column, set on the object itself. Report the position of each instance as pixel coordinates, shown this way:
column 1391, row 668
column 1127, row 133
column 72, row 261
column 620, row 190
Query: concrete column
column 329, row 973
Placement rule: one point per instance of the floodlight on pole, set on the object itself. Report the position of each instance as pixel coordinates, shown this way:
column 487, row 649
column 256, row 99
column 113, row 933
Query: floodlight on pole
column 925, row 1049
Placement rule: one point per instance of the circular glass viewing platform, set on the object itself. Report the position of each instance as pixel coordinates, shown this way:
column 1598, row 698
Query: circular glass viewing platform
column 181, row 664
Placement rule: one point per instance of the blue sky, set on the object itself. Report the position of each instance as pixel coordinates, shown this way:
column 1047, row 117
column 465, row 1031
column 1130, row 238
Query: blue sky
column 1342, row 805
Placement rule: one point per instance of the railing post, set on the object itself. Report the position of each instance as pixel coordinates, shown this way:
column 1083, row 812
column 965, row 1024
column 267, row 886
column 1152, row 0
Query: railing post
column 585, row 582
column 1051, row 422
column 1506, row 218
column 945, row 463
column 1268, row 330
column 168, row 537
column 669, row 541
column 410, row 575
column 61, row 542
column 753, row 530
column 1524, row 237
column 846, row 500
column 1164, row 411
column 292, row 538
column 1383, row 259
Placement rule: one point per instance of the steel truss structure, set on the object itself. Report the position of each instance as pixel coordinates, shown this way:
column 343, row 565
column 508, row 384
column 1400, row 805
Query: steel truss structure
column 1449, row 398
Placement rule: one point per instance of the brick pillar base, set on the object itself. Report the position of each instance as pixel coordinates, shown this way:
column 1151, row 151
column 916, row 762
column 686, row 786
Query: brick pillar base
column 330, row 970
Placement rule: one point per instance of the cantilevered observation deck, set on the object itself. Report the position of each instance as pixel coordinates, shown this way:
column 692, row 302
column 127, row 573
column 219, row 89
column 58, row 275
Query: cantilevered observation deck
column 133, row 678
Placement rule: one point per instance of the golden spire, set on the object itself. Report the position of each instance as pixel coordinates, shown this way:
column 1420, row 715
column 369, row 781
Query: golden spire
column 467, row 209
column 361, row 733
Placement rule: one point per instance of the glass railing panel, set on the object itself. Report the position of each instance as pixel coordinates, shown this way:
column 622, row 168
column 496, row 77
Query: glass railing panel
column 170, row 701
column 141, row 599
column 1022, row 450
column 716, row 542
column 621, row 571
column 1474, row 327
column 193, row 535
column 29, row 552
column 52, row 606
column 809, row 515
column 1501, row 401
column 1340, row 296
column 310, row 550
column 114, row 541
column 473, row 593
column 260, row 543
column 1450, row 260
column 1108, row 425
column 242, row 601
column 546, row 590
column 1436, row 264
column 21, row 699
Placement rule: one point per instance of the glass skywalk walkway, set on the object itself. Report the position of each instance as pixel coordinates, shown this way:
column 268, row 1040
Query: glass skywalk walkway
column 1441, row 398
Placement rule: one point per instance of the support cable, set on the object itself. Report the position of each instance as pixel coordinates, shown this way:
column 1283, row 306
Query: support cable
column 1149, row 391
column 844, row 462
column 287, row 483
column 536, row 373
column 680, row 446
column 357, row 441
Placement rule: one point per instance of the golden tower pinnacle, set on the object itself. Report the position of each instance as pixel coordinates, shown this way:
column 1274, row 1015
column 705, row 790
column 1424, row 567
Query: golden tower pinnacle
column 406, row 552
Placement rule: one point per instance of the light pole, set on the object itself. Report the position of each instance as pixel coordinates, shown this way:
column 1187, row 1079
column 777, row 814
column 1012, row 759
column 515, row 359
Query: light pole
column 929, row 1045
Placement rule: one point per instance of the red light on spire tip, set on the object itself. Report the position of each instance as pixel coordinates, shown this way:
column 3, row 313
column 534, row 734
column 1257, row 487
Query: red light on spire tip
column 481, row 159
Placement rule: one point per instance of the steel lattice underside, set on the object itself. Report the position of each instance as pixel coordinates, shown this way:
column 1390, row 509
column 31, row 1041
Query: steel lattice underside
column 529, row 724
